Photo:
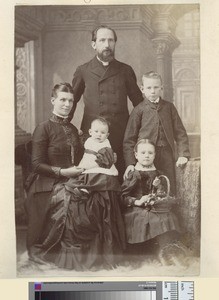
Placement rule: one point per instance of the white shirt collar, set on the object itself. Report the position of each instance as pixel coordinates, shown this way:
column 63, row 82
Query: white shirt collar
column 139, row 167
column 155, row 101
column 104, row 63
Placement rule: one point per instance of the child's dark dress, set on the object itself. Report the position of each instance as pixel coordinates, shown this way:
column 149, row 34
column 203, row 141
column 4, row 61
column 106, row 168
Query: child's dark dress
column 144, row 223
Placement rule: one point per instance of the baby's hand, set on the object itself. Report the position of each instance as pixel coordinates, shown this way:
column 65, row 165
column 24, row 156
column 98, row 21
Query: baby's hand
column 156, row 182
column 181, row 161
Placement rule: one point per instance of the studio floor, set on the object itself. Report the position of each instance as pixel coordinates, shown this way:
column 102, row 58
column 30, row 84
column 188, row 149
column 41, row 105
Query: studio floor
column 146, row 266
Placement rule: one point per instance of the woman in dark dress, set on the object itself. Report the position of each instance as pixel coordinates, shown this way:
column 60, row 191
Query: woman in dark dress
column 64, row 228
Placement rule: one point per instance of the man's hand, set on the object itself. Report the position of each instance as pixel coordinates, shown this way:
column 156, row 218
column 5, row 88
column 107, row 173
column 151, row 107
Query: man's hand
column 115, row 157
column 181, row 161
column 80, row 132
column 128, row 169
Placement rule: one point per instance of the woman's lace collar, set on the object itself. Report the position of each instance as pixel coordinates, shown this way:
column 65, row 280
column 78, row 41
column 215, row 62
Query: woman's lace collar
column 58, row 119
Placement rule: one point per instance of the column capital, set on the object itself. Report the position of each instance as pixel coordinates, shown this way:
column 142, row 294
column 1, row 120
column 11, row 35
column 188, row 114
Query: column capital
column 165, row 43
column 164, row 25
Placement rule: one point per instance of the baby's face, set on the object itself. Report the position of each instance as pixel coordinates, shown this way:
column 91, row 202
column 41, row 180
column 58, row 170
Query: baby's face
column 152, row 88
column 99, row 131
column 145, row 154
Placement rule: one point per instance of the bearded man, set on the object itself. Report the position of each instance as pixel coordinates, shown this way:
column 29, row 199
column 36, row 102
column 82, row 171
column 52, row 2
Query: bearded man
column 105, row 84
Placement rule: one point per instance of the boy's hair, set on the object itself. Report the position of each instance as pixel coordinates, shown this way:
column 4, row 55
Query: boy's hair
column 102, row 121
column 143, row 141
column 152, row 74
column 61, row 87
column 94, row 32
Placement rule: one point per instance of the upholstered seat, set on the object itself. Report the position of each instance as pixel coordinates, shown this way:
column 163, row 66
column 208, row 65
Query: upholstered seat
column 23, row 158
column 189, row 195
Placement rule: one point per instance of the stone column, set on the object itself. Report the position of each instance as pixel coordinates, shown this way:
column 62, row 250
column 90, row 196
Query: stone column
column 164, row 42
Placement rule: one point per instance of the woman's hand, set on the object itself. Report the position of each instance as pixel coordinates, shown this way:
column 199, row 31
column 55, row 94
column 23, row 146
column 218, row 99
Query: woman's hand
column 71, row 171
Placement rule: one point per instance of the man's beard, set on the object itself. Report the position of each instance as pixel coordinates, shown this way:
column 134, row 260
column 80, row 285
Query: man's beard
column 106, row 55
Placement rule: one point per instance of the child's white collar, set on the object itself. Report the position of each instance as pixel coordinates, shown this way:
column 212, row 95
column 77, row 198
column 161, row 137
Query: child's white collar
column 139, row 167
column 155, row 101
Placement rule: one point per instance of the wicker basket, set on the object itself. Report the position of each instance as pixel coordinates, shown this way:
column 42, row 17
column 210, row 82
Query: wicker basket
column 161, row 203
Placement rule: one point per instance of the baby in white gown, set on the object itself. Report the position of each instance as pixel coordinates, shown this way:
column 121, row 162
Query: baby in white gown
column 98, row 140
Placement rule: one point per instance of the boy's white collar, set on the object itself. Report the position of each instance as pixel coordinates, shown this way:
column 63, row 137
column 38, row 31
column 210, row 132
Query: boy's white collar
column 155, row 101
column 139, row 167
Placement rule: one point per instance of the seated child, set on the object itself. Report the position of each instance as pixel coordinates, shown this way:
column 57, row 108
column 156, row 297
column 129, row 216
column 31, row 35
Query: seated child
column 145, row 219
column 99, row 172
column 157, row 120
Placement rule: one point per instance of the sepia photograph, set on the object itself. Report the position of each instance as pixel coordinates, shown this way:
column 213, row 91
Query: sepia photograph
column 107, row 140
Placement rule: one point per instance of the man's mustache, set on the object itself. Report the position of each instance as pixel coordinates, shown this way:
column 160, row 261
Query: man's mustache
column 107, row 49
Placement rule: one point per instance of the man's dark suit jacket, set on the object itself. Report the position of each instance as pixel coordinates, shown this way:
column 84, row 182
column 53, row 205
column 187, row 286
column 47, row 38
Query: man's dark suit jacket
column 105, row 91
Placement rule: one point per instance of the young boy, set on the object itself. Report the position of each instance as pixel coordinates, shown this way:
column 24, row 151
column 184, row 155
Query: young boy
column 157, row 120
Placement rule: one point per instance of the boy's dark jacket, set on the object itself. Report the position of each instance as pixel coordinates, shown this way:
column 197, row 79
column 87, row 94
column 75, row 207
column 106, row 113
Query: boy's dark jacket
column 144, row 123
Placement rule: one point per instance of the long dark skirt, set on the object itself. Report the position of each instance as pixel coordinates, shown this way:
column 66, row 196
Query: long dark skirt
column 82, row 234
